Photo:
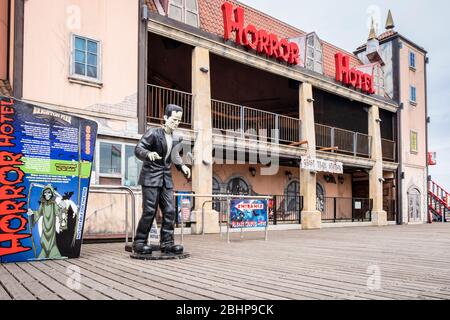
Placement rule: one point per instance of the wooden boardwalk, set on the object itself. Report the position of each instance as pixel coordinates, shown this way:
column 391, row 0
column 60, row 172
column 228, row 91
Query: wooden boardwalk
column 397, row 262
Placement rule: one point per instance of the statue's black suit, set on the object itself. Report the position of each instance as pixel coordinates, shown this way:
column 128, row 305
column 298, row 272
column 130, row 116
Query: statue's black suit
column 157, row 184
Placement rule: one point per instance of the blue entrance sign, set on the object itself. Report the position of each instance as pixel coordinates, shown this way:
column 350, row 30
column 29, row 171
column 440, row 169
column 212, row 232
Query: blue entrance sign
column 248, row 213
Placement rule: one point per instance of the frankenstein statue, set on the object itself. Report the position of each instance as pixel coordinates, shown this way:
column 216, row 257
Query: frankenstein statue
column 158, row 148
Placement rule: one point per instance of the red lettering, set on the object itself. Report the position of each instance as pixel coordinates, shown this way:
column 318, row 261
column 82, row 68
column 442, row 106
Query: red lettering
column 231, row 25
column 5, row 141
column 274, row 46
column 7, row 103
column 11, row 192
column 4, row 172
column 353, row 77
column 5, row 223
column 7, row 128
column 294, row 56
column 253, row 32
column 263, row 42
column 10, row 159
column 255, row 39
column 11, row 207
column 284, row 50
column 342, row 68
column 16, row 246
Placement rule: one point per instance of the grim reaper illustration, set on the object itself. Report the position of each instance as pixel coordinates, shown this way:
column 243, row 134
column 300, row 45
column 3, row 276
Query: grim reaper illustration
column 51, row 219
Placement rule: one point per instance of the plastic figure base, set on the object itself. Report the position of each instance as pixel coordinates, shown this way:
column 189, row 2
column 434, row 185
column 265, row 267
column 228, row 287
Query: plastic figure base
column 158, row 255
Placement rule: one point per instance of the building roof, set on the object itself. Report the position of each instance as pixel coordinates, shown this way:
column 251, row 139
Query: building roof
column 5, row 88
column 211, row 22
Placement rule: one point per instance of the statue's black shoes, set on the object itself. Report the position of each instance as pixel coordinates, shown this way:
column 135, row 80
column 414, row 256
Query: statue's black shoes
column 142, row 248
column 172, row 249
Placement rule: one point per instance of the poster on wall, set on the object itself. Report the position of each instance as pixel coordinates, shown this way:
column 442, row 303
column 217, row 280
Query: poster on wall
column 45, row 170
column 248, row 213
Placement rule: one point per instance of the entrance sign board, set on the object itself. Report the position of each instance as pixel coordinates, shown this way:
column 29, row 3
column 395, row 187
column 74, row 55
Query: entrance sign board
column 248, row 213
column 45, row 170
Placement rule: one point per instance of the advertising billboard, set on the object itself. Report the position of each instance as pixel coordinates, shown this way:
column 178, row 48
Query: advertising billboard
column 45, row 169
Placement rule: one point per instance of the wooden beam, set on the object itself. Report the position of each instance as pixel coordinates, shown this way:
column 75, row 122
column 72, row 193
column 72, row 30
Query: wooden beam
column 329, row 149
column 300, row 143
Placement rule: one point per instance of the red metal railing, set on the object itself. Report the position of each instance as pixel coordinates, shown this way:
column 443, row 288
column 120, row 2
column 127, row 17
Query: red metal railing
column 438, row 201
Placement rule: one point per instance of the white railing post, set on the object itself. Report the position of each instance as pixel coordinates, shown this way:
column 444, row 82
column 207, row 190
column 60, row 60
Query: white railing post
column 332, row 138
column 242, row 121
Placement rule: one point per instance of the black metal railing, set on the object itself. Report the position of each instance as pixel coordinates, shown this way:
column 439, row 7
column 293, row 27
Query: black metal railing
column 345, row 209
column 343, row 141
column 159, row 97
column 286, row 209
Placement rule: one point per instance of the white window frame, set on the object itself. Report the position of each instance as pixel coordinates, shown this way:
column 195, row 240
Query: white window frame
column 315, row 60
column 123, row 168
column 75, row 76
column 184, row 10
column 411, row 132
column 412, row 54
column 413, row 102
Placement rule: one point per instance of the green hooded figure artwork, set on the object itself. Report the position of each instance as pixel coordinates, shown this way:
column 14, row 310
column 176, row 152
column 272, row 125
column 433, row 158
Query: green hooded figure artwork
column 51, row 219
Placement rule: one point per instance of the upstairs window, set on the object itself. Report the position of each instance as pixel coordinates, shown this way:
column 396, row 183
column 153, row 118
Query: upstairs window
column 314, row 53
column 412, row 60
column 185, row 11
column 414, row 143
column 413, row 95
column 85, row 58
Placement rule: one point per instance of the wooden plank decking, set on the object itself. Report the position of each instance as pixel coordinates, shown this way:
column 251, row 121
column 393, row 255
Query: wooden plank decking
column 413, row 262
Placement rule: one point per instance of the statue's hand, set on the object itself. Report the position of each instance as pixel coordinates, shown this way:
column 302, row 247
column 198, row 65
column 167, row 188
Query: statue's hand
column 186, row 171
column 153, row 156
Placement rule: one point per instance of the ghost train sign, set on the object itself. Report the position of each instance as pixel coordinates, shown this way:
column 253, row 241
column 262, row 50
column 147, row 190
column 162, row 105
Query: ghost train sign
column 45, row 167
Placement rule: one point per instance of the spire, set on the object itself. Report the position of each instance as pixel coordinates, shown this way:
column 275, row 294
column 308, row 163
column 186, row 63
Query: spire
column 372, row 34
column 390, row 21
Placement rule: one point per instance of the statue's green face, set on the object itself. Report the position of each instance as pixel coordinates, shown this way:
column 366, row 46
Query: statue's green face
column 174, row 120
column 48, row 194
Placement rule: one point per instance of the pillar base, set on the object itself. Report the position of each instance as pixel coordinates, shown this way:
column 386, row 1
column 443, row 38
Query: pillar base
column 211, row 222
column 379, row 218
column 311, row 220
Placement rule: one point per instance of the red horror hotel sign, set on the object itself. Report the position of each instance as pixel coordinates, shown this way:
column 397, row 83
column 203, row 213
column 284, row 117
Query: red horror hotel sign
column 260, row 40
column 352, row 77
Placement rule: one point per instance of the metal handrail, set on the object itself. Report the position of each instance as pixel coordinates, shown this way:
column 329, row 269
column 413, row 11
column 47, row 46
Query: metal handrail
column 105, row 189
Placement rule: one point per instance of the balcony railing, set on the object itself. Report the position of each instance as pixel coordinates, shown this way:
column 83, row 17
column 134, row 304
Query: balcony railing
column 343, row 141
column 158, row 98
column 388, row 148
column 254, row 124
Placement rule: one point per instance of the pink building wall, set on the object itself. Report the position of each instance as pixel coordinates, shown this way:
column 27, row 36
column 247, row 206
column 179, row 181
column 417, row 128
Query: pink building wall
column 413, row 118
column 49, row 25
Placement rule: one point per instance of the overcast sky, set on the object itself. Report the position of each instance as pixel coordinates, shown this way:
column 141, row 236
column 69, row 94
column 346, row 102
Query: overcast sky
column 346, row 24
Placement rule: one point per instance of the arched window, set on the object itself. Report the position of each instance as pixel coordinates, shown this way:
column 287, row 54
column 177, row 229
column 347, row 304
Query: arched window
column 237, row 186
column 292, row 197
column 320, row 196
column 414, row 204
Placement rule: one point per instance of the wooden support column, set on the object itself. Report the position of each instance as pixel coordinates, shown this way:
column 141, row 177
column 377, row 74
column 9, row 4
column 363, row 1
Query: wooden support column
column 379, row 216
column 311, row 218
column 202, row 124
